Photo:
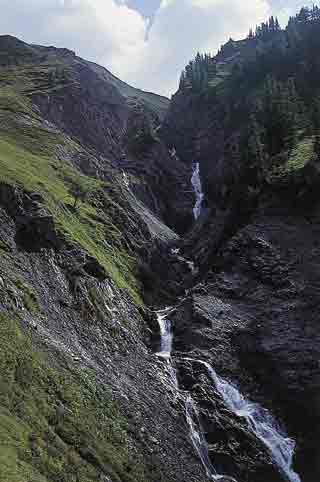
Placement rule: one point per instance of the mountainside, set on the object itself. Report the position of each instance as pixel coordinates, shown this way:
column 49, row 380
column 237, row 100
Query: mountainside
column 159, row 282
column 254, row 129
column 79, row 388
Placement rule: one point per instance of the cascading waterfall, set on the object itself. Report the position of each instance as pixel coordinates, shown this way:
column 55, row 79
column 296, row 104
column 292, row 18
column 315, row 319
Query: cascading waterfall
column 196, row 432
column 165, row 333
column 261, row 422
column 200, row 443
column 197, row 187
column 197, row 437
column 166, row 338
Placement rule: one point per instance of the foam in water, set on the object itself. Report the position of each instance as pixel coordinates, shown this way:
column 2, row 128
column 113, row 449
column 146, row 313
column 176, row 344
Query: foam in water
column 197, row 436
column 261, row 423
column 166, row 342
column 196, row 433
column 165, row 333
column 197, row 186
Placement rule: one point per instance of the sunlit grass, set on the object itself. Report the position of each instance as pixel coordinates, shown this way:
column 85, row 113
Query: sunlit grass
column 39, row 173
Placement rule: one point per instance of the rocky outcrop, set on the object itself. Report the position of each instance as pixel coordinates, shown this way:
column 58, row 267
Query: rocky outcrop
column 111, row 121
column 79, row 316
column 163, row 178
column 233, row 448
column 254, row 318
column 35, row 226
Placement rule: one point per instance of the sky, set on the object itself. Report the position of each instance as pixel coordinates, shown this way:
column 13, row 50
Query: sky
column 146, row 43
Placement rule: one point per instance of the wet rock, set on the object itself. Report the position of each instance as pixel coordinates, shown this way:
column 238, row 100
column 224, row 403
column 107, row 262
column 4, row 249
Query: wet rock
column 35, row 227
column 233, row 448
column 36, row 232
column 94, row 268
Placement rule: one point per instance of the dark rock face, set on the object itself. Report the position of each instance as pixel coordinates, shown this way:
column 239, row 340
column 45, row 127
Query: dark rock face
column 120, row 124
column 253, row 311
column 166, row 187
column 254, row 318
column 197, row 127
column 84, row 319
column 233, row 448
column 35, row 228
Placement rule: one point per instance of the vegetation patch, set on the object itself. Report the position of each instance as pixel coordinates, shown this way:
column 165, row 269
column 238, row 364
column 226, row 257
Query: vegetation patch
column 86, row 226
column 30, row 299
column 56, row 425
column 97, row 301
column 4, row 246
column 299, row 157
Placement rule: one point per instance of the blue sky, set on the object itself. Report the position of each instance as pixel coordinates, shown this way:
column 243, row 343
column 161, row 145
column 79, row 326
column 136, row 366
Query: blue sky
column 147, row 43
column 146, row 7
column 149, row 7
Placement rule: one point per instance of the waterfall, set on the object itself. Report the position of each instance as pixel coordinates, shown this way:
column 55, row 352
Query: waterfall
column 166, row 341
column 261, row 422
column 165, row 333
column 200, row 443
column 197, row 187
column 197, row 437
column 125, row 179
column 196, row 433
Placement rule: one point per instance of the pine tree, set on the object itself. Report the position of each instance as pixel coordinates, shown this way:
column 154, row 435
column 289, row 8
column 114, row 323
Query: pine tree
column 272, row 24
column 198, row 73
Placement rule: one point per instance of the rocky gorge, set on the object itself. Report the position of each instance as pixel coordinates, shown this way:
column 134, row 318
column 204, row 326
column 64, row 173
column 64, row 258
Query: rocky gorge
column 159, row 268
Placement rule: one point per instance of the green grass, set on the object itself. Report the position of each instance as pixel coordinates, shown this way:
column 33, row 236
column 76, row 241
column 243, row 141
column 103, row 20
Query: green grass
column 27, row 159
column 42, row 442
column 29, row 297
column 95, row 232
column 11, row 101
column 299, row 157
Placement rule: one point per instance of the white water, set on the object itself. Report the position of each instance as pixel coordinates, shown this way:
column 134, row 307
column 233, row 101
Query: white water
column 197, row 187
column 165, row 333
column 261, row 423
column 197, row 436
column 200, row 443
column 125, row 179
column 166, row 342
column 196, row 433
column 260, row 420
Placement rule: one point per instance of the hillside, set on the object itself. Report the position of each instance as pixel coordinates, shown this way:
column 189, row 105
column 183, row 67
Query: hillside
column 73, row 321
column 255, row 133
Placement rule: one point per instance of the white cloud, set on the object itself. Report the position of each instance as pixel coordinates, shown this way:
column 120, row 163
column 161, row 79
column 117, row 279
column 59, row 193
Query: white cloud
column 182, row 27
column 100, row 30
column 115, row 35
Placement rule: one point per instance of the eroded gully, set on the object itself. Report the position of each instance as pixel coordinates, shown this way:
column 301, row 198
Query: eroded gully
column 259, row 420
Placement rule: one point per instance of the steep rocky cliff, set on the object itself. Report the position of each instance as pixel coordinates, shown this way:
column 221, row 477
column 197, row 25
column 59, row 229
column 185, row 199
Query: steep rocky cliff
column 80, row 390
column 253, row 314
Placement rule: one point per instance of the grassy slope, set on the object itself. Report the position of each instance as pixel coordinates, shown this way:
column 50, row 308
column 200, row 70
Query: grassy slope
column 56, row 425
column 37, row 442
column 157, row 103
column 27, row 159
